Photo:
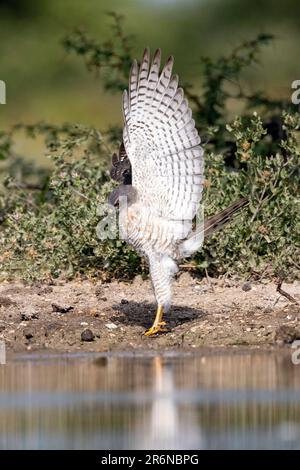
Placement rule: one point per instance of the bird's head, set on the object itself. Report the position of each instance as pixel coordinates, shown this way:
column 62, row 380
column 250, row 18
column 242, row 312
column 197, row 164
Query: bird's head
column 121, row 170
column 121, row 167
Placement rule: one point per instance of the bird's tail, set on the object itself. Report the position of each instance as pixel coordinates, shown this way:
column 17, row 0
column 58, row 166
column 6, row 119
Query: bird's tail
column 218, row 221
column 211, row 225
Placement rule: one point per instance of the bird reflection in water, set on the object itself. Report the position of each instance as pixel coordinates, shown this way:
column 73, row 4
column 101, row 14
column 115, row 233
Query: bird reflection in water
column 166, row 425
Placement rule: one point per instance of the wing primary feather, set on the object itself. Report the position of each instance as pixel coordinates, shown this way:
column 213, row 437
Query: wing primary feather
column 174, row 103
column 143, row 83
column 163, row 83
column 133, row 86
column 170, row 92
column 166, row 73
column 144, row 68
column 153, row 78
column 125, row 105
column 155, row 66
column 126, row 116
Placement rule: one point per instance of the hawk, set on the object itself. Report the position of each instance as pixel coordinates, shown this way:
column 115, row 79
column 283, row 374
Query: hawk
column 160, row 168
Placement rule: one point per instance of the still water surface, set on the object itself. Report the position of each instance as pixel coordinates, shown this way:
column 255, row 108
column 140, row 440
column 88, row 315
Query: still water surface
column 212, row 401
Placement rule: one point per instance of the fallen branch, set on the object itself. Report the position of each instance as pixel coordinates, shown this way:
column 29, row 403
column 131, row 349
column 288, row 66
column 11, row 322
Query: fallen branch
column 285, row 294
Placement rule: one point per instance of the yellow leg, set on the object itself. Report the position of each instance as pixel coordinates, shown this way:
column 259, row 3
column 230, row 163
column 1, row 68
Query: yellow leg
column 158, row 324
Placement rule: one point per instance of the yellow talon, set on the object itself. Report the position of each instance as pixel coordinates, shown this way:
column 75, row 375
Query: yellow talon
column 158, row 324
column 156, row 329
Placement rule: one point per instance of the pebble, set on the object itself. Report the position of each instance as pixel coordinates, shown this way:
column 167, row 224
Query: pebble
column 286, row 334
column 87, row 335
column 45, row 290
column 124, row 301
column 246, row 286
column 28, row 313
column 61, row 308
column 268, row 310
column 111, row 326
column 28, row 333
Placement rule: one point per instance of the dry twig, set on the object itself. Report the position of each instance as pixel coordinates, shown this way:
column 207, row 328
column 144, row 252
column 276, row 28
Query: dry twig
column 285, row 294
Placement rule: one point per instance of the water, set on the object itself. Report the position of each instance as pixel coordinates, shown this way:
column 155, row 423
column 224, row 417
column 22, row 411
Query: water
column 211, row 401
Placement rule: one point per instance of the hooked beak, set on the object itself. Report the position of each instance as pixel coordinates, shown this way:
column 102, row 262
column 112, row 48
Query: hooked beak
column 113, row 198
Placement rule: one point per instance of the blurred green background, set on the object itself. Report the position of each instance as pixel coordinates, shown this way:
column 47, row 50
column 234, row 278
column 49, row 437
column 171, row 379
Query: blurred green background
column 44, row 83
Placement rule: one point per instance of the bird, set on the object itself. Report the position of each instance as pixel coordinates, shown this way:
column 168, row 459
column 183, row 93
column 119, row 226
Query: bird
column 160, row 171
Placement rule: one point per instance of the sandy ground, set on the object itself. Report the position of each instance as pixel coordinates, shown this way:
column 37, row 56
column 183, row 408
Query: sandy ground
column 86, row 316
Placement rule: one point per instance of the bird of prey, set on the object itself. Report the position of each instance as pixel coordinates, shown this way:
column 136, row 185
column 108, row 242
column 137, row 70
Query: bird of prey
column 160, row 168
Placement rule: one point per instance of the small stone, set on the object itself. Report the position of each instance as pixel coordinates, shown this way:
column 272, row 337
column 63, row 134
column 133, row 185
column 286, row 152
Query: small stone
column 28, row 313
column 268, row 310
column 87, row 335
column 246, row 286
column 111, row 326
column 248, row 329
column 83, row 323
column 45, row 290
column 124, row 301
column 287, row 334
column 61, row 308
column 28, row 333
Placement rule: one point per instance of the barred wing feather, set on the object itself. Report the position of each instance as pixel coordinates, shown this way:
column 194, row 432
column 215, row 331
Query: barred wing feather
column 161, row 141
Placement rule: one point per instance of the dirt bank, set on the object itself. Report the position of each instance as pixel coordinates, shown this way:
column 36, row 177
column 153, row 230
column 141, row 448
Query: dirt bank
column 100, row 317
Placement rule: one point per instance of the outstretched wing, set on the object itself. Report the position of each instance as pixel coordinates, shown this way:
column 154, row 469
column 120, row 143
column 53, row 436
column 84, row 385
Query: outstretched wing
column 162, row 142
